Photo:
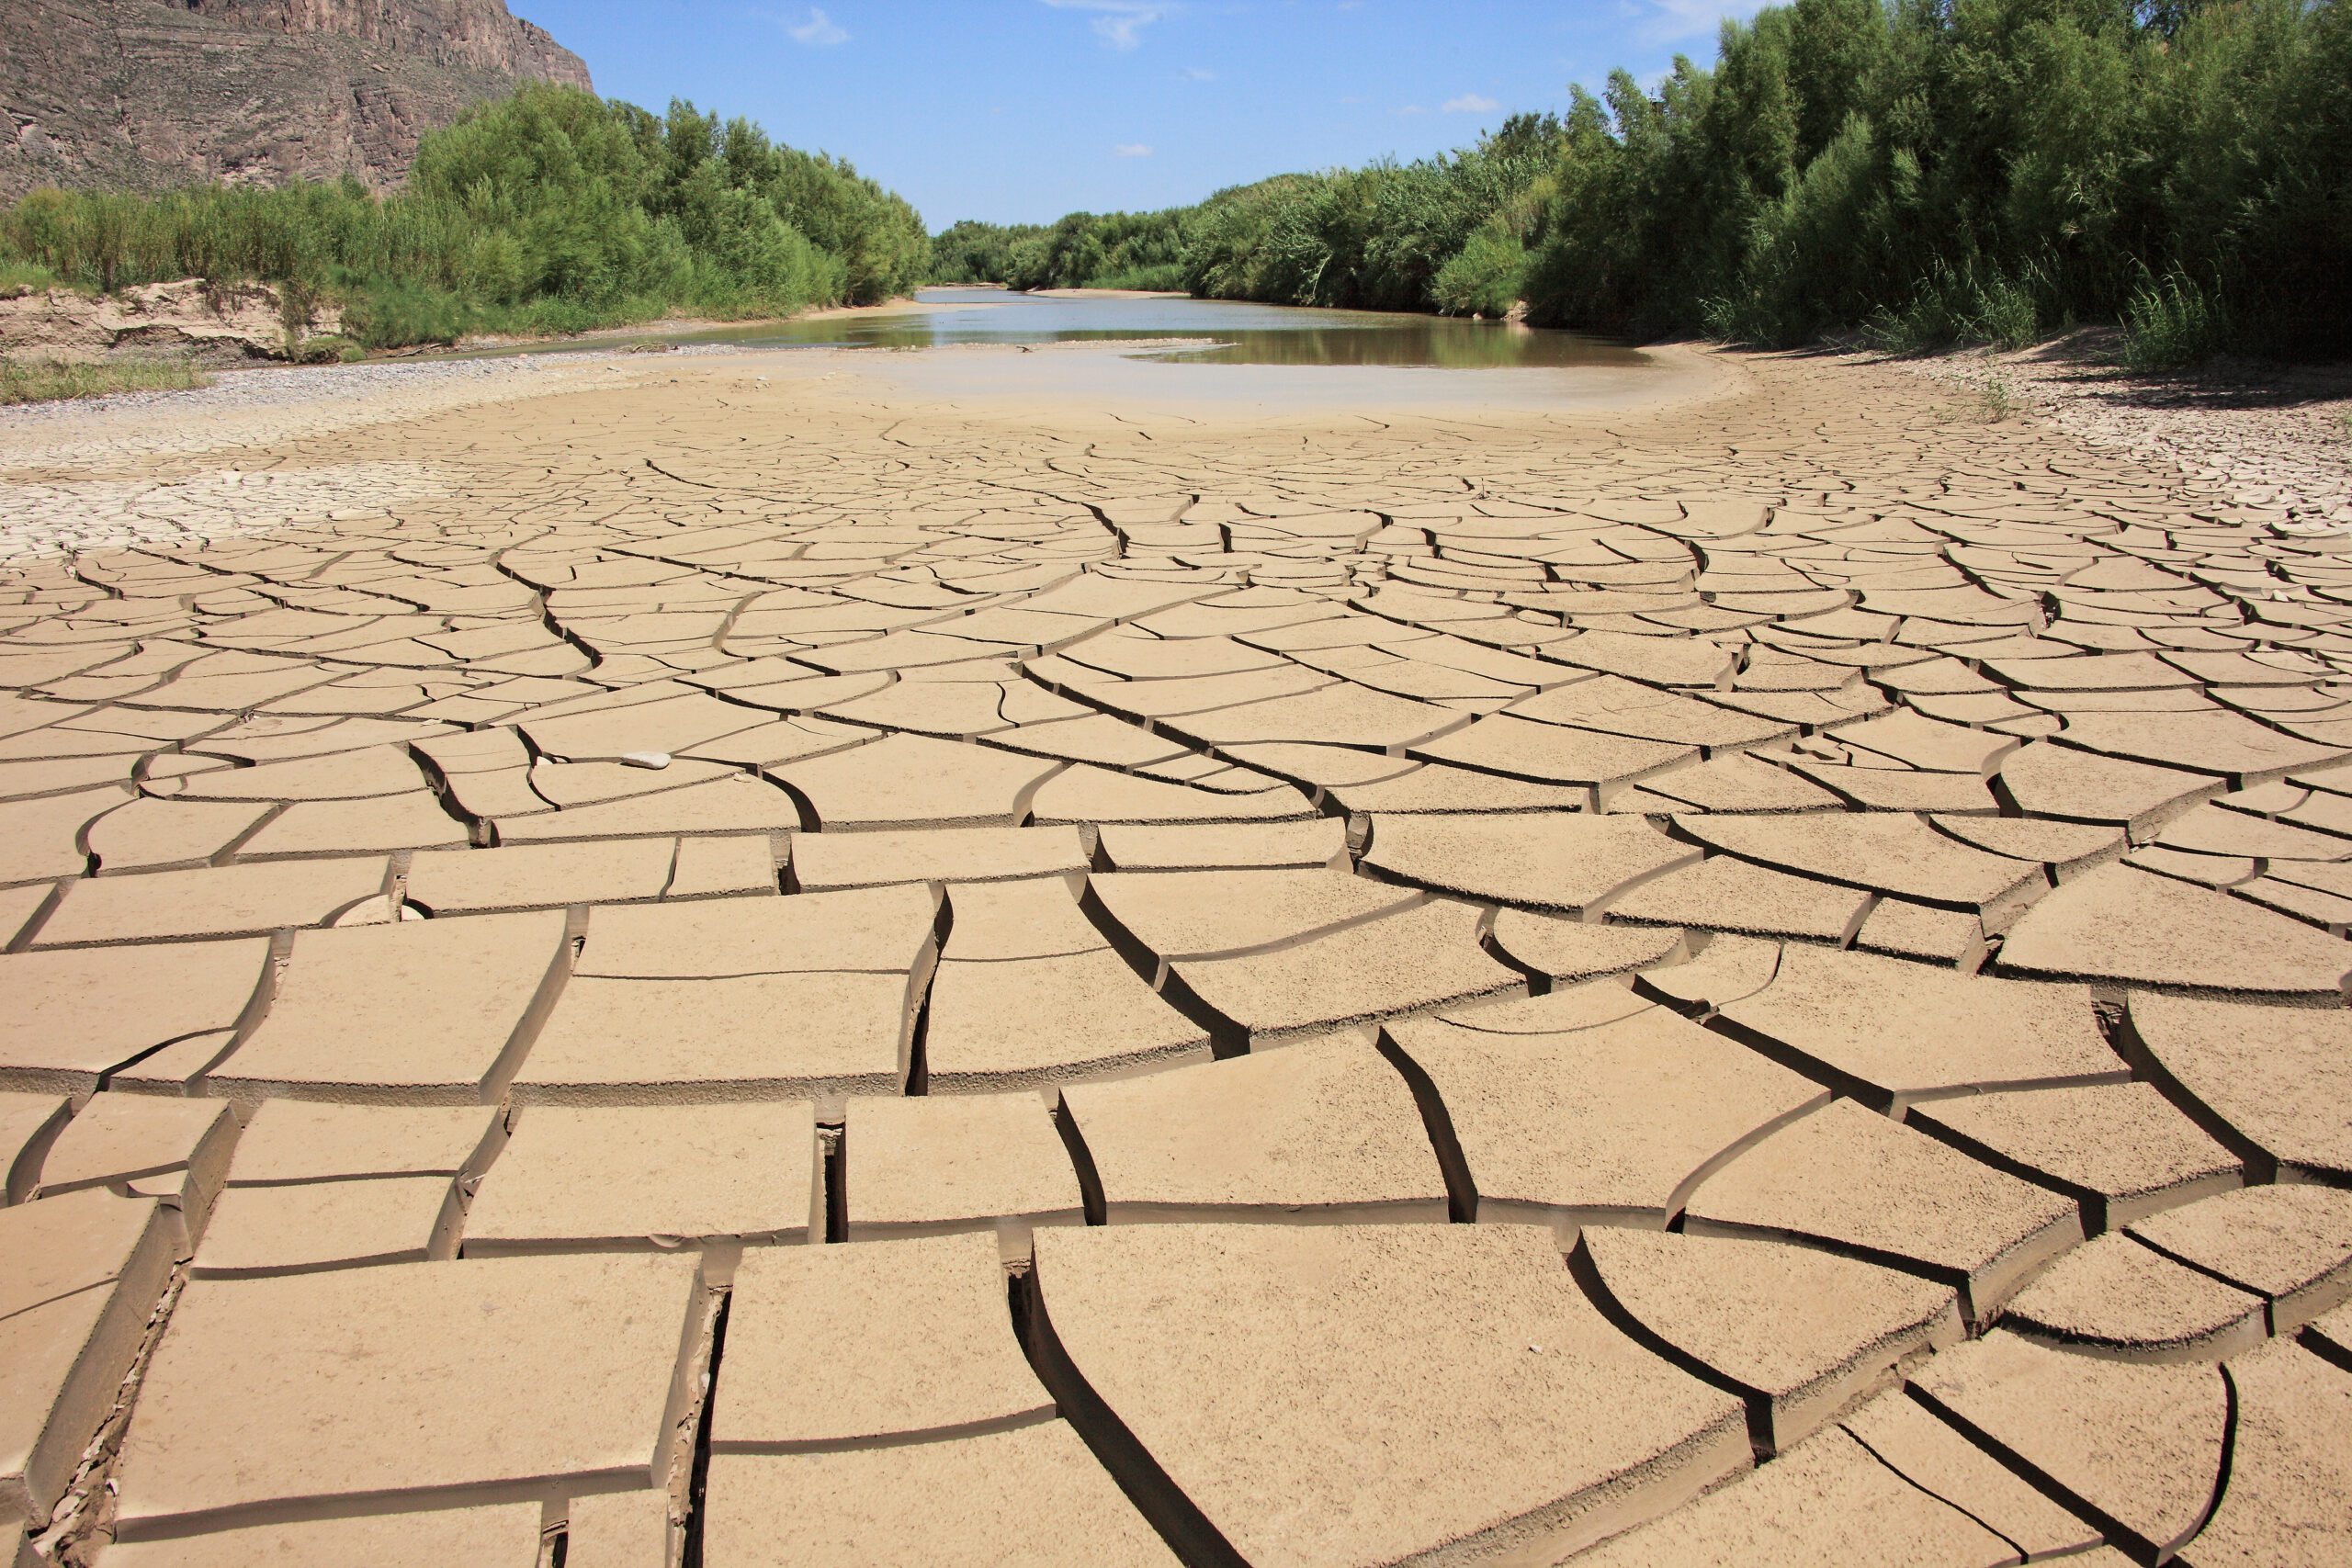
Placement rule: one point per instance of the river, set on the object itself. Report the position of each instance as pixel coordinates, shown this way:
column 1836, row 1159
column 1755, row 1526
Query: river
column 1225, row 331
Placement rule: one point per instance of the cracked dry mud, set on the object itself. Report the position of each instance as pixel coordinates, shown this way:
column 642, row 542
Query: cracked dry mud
column 722, row 960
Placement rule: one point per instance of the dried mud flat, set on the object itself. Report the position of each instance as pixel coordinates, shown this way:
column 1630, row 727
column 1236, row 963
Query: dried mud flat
column 710, row 959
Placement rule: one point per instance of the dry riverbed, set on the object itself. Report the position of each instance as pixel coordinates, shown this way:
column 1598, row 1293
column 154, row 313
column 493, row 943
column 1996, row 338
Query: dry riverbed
column 716, row 948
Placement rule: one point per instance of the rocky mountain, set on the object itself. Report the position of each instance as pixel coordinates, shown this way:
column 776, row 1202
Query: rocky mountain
column 142, row 94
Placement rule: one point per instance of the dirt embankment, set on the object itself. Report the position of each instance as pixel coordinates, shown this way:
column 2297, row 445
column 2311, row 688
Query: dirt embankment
column 212, row 323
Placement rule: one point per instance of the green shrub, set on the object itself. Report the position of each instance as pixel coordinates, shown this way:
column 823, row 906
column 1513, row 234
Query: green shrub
column 389, row 312
column 2170, row 323
column 1953, row 306
column 1484, row 277
column 1157, row 277
column 1996, row 399
column 2005, row 315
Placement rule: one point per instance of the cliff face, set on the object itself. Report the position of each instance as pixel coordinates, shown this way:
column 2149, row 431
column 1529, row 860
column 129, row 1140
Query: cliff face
column 142, row 94
column 464, row 35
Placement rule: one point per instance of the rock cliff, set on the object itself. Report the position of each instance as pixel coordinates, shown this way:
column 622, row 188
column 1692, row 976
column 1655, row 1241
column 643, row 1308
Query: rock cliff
column 142, row 94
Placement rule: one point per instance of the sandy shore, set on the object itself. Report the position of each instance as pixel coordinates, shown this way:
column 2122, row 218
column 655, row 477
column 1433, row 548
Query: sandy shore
column 1109, row 294
column 721, row 946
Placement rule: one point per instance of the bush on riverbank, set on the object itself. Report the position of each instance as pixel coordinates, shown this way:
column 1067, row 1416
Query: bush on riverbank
column 1376, row 238
column 2170, row 322
column 1989, row 170
column 1085, row 250
column 552, row 211
column 1928, row 171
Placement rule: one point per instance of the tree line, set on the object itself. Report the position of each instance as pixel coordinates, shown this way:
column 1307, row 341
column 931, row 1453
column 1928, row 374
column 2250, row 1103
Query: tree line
column 551, row 211
column 1923, row 170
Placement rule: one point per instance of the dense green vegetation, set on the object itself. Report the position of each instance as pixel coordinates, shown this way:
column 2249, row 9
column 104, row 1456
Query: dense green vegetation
column 1987, row 169
column 1376, row 238
column 552, row 211
column 1930, row 171
column 1117, row 250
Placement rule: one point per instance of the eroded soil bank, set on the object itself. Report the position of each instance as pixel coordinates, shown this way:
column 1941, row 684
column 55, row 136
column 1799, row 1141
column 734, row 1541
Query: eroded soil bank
column 212, row 325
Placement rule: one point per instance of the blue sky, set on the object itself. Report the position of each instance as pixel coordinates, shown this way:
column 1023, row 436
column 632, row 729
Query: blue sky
column 1022, row 110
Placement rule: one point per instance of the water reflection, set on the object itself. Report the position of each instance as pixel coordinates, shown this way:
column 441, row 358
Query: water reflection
column 1231, row 334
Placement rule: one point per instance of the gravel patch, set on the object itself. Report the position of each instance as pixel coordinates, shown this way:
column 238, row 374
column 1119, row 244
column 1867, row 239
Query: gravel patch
column 271, row 387
column 245, row 409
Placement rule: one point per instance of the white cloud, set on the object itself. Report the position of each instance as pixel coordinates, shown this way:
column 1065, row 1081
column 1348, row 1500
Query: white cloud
column 1194, row 74
column 1471, row 103
column 1131, row 150
column 1119, row 23
column 1412, row 108
column 819, row 31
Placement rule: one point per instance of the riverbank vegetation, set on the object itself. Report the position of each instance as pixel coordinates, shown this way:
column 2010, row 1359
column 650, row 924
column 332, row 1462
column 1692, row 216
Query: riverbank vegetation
column 552, row 211
column 1085, row 250
column 1922, row 172
column 47, row 380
